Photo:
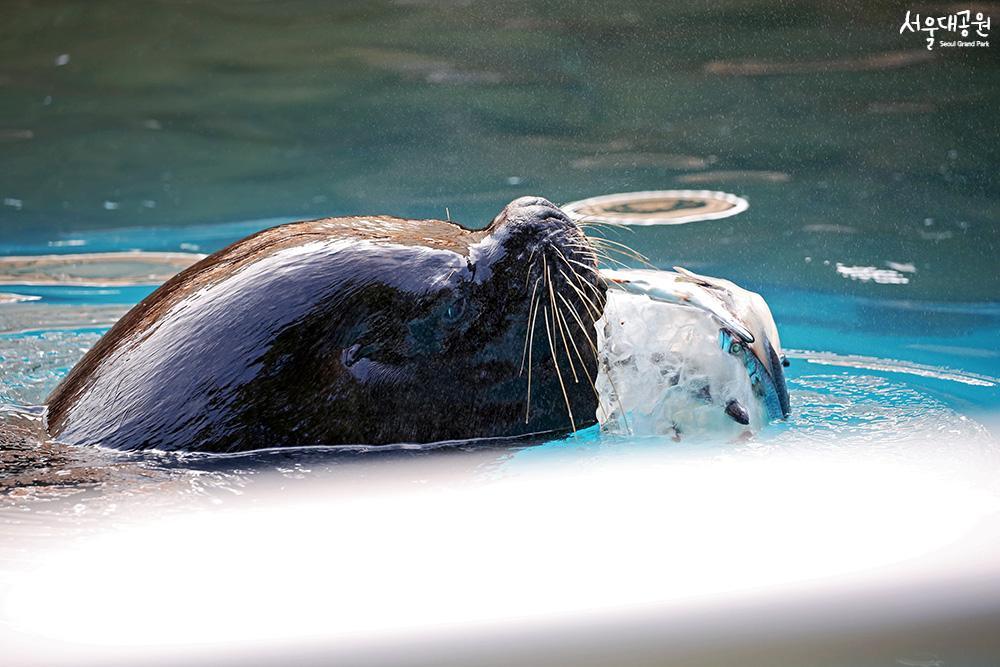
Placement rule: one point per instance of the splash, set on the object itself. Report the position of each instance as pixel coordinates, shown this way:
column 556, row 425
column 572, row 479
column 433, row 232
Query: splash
column 890, row 276
column 7, row 297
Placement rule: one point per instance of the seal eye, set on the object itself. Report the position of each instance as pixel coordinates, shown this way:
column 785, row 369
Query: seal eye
column 454, row 311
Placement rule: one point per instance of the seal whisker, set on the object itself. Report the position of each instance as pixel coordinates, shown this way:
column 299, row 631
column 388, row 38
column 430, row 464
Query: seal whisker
column 587, row 267
column 601, row 255
column 527, row 334
column 576, row 274
column 559, row 252
column 583, row 364
column 596, row 251
column 600, row 297
column 593, row 349
column 590, row 267
column 583, row 328
column 606, row 253
column 556, row 316
column 590, row 380
column 609, row 246
column 531, row 344
column 579, row 279
column 614, row 388
column 592, row 220
column 555, row 362
column 584, row 244
column 629, row 250
column 604, row 227
column 564, row 328
column 531, row 265
column 581, row 267
column 594, row 311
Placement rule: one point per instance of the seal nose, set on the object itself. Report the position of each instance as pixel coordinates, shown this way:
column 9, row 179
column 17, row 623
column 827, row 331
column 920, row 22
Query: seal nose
column 530, row 200
column 534, row 209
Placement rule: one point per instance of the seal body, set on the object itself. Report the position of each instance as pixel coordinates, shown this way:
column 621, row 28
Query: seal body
column 351, row 331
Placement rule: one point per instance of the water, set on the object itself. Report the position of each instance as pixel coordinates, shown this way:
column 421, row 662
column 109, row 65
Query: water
column 871, row 171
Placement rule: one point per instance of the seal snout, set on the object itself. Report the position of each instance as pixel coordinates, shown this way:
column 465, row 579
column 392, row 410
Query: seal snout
column 534, row 210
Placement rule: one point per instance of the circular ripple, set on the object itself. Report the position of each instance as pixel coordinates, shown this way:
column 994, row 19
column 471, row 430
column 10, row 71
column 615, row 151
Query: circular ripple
column 657, row 207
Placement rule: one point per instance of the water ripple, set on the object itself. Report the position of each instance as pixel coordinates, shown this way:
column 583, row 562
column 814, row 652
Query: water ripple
column 894, row 366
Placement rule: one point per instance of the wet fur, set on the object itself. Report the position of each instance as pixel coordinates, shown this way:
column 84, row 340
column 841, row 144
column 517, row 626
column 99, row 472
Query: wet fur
column 365, row 330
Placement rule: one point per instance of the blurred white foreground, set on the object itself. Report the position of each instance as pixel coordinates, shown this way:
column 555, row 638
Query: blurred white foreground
column 574, row 553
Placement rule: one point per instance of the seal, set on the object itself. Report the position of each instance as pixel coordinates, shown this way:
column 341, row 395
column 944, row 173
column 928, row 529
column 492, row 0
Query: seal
column 352, row 331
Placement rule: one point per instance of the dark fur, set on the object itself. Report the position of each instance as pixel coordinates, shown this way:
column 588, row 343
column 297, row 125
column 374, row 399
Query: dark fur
column 339, row 331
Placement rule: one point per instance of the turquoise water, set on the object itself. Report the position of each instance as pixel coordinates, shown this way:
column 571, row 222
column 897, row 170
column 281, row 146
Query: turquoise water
column 853, row 143
column 935, row 354
column 871, row 167
column 862, row 154
column 155, row 127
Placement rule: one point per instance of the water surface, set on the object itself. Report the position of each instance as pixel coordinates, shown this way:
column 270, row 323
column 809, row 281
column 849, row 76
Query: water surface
column 871, row 170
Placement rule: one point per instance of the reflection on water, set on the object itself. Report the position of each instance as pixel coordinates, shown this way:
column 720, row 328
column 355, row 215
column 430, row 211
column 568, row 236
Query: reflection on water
column 96, row 269
column 39, row 343
column 877, row 61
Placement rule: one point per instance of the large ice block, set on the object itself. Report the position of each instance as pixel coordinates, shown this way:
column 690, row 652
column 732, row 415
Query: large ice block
column 686, row 355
